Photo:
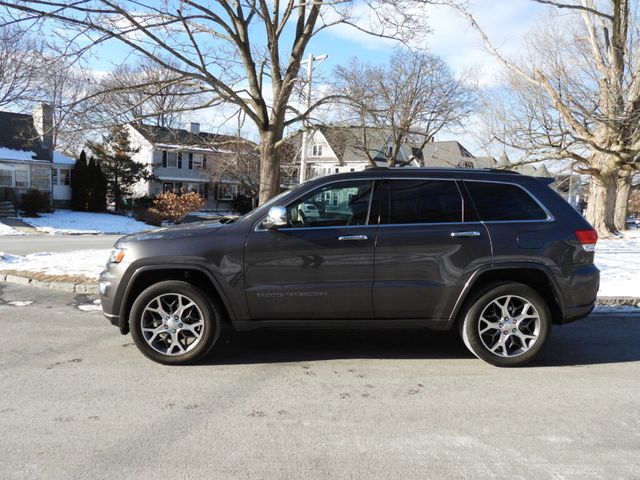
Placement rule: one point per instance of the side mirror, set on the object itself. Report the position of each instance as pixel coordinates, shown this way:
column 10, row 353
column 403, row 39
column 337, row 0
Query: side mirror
column 276, row 218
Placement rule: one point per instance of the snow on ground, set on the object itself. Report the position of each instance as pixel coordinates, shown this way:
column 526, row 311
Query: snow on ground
column 619, row 263
column 67, row 221
column 86, row 263
column 7, row 230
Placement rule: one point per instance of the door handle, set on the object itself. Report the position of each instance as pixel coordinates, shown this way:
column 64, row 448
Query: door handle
column 468, row 234
column 353, row 238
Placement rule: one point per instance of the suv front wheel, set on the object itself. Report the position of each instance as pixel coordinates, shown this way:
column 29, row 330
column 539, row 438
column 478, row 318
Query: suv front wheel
column 173, row 323
column 506, row 325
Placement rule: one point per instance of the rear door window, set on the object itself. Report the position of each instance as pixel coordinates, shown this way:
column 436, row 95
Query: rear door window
column 423, row 201
column 504, row 202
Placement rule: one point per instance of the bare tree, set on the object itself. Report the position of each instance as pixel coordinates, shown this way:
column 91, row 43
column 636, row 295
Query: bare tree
column 408, row 100
column 19, row 58
column 244, row 53
column 238, row 162
column 145, row 92
column 64, row 86
column 577, row 97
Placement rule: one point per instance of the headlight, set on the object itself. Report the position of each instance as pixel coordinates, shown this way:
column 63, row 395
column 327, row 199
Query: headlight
column 117, row 254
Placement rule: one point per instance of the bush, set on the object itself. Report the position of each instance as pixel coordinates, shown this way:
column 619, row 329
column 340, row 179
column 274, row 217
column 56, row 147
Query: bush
column 34, row 202
column 175, row 207
column 151, row 216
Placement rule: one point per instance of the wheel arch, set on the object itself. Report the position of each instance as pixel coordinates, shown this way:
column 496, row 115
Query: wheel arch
column 535, row 276
column 146, row 276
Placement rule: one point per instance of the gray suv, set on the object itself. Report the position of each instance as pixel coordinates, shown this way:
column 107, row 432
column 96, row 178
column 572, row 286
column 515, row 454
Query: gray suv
column 498, row 255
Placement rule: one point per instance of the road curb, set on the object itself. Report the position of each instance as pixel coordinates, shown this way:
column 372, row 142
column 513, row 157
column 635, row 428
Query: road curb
column 84, row 288
column 619, row 301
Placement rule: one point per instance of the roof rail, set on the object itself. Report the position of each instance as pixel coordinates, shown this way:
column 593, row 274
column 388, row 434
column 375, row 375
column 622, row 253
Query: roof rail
column 499, row 170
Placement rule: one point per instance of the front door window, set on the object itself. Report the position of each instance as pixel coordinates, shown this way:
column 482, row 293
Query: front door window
column 334, row 205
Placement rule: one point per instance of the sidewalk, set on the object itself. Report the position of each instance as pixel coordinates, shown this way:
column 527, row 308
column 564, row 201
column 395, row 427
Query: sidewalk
column 21, row 226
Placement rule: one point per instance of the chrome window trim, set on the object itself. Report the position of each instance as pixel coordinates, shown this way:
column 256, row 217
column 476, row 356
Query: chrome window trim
column 550, row 217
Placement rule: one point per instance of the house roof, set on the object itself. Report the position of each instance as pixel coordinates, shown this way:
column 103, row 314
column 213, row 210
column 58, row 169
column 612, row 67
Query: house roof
column 180, row 137
column 18, row 132
column 445, row 154
column 348, row 143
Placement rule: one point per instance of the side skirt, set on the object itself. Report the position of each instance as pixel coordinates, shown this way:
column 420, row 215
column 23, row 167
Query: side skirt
column 433, row 324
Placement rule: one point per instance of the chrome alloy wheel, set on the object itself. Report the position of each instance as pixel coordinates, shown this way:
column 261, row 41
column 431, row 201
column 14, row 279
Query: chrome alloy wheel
column 172, row 324
column 509, row 326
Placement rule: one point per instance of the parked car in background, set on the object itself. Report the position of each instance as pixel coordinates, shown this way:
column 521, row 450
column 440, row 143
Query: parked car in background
column 497, row 255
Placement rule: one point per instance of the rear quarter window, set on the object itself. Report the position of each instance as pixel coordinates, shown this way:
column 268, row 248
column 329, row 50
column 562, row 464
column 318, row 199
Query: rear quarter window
column 503, row 202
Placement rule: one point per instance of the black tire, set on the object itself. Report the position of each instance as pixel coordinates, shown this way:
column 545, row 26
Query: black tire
column 209, row 331
column 516, row 352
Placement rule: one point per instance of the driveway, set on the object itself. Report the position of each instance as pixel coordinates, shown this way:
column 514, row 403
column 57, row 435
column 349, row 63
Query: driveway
column 79, row 401
column 25, row 244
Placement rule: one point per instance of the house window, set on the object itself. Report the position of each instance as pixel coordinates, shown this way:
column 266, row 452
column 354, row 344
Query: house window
column 22, row 178
column 316, row 150
column 6, row 179
column 172, row 160
column 64, row 176
column 198, row 160
column 227, row 191
column 167, row 187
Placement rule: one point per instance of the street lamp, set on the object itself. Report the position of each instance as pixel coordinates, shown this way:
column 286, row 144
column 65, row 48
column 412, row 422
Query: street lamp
column 303, row 154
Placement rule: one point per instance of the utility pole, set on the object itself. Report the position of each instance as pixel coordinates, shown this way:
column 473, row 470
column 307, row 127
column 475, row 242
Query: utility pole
column 303, row 153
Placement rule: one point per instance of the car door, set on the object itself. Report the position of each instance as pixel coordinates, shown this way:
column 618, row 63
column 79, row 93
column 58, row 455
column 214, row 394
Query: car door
column 320, row 266
column 429, row 243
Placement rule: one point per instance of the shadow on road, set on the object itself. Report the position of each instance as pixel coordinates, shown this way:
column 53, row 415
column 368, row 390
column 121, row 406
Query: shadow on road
column 588, row 342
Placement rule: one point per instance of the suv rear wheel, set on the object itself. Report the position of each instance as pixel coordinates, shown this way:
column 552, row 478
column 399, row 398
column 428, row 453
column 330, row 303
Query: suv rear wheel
column 174, row 323
column 507, row 324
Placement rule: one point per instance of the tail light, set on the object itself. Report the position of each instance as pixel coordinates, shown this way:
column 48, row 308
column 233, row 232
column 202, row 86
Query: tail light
column 588, row 239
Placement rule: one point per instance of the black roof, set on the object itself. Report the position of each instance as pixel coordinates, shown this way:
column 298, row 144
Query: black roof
column 180, row 136
column 18, row 132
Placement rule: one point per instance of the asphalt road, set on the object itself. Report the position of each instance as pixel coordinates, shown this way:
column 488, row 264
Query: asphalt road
column 78, row 401
column 23, row 245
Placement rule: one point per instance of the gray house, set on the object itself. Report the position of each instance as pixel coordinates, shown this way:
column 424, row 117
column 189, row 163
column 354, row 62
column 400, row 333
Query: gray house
column 28, row 159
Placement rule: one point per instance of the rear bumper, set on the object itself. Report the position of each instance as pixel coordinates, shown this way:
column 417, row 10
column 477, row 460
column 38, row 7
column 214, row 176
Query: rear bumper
column 581, row 293
column 577, row 313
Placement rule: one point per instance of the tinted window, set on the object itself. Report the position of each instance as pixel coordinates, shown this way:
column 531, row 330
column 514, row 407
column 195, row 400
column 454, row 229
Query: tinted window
column 423, row 201
column 499, row 201
column 334, row 205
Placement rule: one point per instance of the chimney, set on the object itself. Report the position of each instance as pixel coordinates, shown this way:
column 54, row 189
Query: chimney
column 194, row 127
column 43, row 121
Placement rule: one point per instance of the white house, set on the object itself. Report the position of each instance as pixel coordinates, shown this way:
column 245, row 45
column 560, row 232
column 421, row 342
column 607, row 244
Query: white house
column 337, row 149
column 184, row 160
column 28, row 160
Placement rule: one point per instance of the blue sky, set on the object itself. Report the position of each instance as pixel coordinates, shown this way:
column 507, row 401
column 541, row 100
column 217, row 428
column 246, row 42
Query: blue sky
column 505, row 21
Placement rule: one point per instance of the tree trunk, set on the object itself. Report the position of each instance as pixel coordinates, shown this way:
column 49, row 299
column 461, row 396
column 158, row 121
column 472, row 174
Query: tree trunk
column 622, row 199
column 269, row 164
column 601, row 204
